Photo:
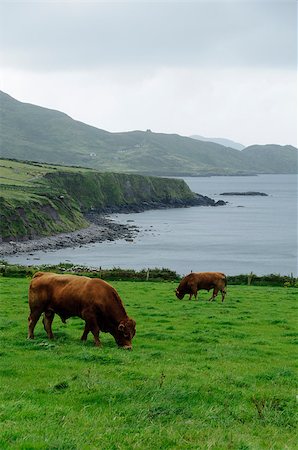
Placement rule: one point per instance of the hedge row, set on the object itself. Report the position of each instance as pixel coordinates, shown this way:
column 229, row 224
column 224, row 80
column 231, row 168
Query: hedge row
column 156, row 274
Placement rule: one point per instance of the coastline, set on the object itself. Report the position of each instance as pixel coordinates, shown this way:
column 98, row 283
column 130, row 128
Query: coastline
column 101, row 229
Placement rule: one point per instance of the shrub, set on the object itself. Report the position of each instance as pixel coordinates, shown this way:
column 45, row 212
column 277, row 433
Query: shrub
column 156, row 274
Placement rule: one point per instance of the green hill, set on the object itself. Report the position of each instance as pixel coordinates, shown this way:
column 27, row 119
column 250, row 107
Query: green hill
column 271, row 158
column 30, row 132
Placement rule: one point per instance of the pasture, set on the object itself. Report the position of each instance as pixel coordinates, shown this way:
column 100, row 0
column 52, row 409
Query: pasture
column 200, row 376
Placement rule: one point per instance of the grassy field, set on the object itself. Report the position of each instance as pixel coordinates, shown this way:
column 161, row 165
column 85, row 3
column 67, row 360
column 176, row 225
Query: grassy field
column 15, row 174
column 201, row 375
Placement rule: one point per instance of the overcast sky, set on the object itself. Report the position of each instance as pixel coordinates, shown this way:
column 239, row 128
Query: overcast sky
column 214, row 68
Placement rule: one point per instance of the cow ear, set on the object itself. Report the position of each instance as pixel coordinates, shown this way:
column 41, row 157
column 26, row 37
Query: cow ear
column 132, row 323
column 121, row 327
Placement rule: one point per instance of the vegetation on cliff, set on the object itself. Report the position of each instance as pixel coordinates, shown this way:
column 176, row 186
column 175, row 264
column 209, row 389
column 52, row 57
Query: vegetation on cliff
column 40, row 199
column 94, row 190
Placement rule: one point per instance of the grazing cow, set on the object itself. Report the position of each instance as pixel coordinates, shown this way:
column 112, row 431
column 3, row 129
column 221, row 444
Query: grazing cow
column 196, row 281
column 92, row 299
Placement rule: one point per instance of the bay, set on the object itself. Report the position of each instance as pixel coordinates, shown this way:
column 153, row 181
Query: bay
column 250, row 234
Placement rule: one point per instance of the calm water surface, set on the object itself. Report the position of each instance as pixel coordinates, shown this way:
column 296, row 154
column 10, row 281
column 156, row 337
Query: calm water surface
column 257, row 234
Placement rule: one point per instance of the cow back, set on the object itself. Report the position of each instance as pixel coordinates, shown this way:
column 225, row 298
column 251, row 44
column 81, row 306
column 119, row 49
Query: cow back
column 209, row 280
column 72, row 294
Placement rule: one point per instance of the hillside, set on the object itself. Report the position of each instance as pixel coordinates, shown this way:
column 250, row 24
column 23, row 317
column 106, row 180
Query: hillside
column 221, row 141
column 271, row 158
column 39, row 199
column 30, row 132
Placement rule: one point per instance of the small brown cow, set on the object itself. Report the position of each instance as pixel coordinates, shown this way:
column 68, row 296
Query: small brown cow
column 196, row 281
column 92, row 299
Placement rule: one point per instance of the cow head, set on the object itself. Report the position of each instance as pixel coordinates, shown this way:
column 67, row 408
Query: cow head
column 179, row 294
column 125, row 332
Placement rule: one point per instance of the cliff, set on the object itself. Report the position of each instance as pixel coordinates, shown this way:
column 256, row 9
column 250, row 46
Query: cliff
column 40, row 200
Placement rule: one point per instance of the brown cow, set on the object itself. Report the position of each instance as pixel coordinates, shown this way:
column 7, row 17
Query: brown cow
column 196, row 281
column 92, row 299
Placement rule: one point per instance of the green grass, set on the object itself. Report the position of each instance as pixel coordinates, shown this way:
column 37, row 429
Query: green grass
column 201, row 375
column 17, row 173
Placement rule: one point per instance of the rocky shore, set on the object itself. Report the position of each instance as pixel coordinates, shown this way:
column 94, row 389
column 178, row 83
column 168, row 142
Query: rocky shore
column 101, row 228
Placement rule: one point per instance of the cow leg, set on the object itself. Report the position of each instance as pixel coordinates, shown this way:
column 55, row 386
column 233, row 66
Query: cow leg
column 32, row 321
column 212, row 297
column 47, row 323
column 91, row 325
column 193, row 291
column 223, row 294
column 94, row 328
column 214, row 294
column 85, row 333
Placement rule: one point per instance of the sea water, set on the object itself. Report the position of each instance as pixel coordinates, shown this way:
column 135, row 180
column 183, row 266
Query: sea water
column 250, row 234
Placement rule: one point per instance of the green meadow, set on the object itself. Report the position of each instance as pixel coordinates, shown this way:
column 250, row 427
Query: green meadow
column 200, row 376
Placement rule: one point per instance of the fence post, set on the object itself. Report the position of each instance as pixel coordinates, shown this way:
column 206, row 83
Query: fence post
column 249, row 278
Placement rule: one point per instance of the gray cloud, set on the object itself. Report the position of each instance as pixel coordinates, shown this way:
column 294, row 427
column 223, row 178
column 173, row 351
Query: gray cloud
column 74, row 36
column 216, row 68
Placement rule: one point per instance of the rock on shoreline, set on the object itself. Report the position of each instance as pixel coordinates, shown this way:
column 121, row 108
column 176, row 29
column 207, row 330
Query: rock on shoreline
column 100, row 229
column 196, row 200
column 252, row 193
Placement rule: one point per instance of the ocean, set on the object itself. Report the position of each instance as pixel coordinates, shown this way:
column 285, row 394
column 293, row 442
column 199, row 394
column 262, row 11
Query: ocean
column 250, row 234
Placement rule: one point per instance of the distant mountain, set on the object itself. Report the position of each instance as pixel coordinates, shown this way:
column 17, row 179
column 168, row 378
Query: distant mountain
column 221, row 141
column 271, row 158
column 30, row 132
